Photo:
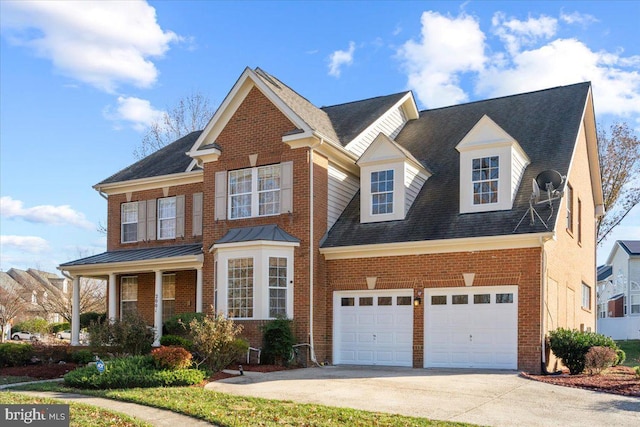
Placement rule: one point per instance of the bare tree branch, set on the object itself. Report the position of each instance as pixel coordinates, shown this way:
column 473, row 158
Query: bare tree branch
column 619, row 151
column 11, row 304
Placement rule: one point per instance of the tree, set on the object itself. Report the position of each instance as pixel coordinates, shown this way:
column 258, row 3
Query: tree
column 192, row 112
column 92, row 298
column 619, row 151
column 11, row 304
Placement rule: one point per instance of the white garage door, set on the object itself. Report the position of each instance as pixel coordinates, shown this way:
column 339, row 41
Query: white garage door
column 471, row 327
column 373, row 328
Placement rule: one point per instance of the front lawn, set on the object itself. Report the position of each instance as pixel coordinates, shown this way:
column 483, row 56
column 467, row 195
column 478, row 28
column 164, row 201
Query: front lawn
column 632, row 349
column 228, row 410
column 81, row 415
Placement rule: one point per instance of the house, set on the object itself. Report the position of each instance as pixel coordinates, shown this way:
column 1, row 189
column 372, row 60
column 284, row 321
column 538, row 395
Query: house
column 619, row 292
column 391, row 236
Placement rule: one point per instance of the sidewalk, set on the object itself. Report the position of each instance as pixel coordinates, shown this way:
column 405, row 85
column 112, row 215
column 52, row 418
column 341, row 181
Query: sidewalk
column 154, row 416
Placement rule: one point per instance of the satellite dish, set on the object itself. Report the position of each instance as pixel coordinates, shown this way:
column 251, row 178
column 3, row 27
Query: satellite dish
column 549, row 177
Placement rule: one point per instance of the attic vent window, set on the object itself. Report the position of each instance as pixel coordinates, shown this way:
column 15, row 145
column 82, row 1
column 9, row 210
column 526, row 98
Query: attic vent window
column 485, row 175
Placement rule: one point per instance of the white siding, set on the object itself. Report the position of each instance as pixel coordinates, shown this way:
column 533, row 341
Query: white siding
column 518, row 165
column 342, row 187
column 389, row 124
column 413, row 182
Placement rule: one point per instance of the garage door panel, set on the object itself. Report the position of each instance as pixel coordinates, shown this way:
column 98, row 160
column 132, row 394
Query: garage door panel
column 377, row 334
column 481, row 333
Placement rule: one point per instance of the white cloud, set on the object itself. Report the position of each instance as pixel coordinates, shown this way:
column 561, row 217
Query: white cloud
column 529, row 56
column 43, row 214
column 583, row 19
column 139, row 112
column 102, row 43
column 340, row 58
column 447, row 48
column 31, row 244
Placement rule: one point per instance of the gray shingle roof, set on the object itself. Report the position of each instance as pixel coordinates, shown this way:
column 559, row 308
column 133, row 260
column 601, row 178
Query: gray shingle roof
column 603, row 272
column 545, row 124
column 128, row 255
column 269, row 232
column 168, row 160
column 632, row 247
column 351, row 119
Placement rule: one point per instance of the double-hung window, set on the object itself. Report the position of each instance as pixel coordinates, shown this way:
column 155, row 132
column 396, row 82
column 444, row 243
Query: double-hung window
column 240, row 287
column 167, row 218
column 128, row 296
column 254, row 192
column 484, row 176
column 129, row 222
column 586, row 296
column 382, row 192
column 277, row 286
column 168, row 296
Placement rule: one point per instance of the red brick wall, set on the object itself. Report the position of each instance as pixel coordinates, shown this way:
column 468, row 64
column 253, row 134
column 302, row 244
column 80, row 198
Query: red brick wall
column 519, row 267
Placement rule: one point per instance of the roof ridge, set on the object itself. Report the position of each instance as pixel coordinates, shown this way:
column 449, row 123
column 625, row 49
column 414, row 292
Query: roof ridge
column 277, row 82
column 506, row 96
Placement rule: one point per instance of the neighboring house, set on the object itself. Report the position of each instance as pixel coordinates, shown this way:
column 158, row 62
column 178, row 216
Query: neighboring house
column 619, row 292
column 30, row 291
column 390, row 236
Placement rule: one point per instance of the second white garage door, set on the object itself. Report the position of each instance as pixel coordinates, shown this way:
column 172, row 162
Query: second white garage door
column 373, row 328
column 473, row 327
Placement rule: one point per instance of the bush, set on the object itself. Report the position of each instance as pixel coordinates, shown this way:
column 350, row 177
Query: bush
column 215, row 341
column 171, row 357
column 129, row 372
column 277, row 341
column 175, row 340
column 82, row 357
column 51, row 353
column 54, row 328
column 599, row 358
column 571, row 346
column 13, row 354
column 636, row 369
column 621, row 356
column 91, row 317
column 129, row 336
column 36, row 325
column 180, row 324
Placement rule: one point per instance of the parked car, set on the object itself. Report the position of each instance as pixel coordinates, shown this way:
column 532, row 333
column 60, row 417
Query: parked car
column 25, row 335
column 66, row 335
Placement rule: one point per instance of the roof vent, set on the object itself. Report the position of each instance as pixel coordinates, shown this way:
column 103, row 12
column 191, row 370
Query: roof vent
column 546, row 188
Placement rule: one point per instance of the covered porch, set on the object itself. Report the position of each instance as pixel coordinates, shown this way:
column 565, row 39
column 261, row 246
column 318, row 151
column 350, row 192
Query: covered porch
column 119, row 267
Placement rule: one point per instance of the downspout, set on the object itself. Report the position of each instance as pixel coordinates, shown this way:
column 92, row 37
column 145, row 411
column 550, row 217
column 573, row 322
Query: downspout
column 312, row 351
column 543, row 304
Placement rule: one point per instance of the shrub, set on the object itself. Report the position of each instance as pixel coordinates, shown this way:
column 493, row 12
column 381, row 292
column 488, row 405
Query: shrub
column 175, row 340
column 54, row 328
column 51, row 353
column 82, row 357
column 599, row 358
column 571, row 346
column 129, row 336
column 621, row 356
column 637, row 371
column 215, row 341
column 129, row 372
column 180, row 324
column 277, row 341
column 36, row 324
column 91, row 317
column 171, row 357
column 13, row 354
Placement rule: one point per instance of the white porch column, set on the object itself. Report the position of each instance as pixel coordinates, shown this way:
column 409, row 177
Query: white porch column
column 199, row 290
column 112, row 298
column 157, row 314
column 75, row 312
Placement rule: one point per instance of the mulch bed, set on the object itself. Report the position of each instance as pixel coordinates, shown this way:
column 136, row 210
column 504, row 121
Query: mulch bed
column 617, row 380
column 40, row 372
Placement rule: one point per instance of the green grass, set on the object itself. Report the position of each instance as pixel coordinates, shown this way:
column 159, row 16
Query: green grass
column 632, row 349
column 80, row 415
column 9, row 379
column 227, row 410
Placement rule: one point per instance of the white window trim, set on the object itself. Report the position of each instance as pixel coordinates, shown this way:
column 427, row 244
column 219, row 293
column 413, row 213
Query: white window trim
column 260, row 251
column 164, row 299
column 123, row 223
column 504, row 179
column 122, row 279
column 482, row 181
column 366, row 198
column 255, row 193
column 160, row 219
column 586, row 296
column 393, row 201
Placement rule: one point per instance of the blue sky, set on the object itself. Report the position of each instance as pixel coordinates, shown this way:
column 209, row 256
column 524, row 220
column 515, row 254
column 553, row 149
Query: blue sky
column 79, row 81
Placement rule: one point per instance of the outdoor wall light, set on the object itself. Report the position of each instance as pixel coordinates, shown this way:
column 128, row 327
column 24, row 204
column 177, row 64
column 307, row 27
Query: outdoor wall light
column 417, row 301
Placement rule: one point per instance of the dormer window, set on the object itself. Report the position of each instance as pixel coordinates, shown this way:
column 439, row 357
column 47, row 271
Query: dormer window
column 491, row 167
column 484, row 176
column 382, row 192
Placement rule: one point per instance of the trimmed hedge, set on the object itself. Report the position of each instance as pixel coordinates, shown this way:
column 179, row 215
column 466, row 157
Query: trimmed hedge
column 13, row 354
column 130, row 372
column 572, row 346
column 180, row 324
column 177, row 341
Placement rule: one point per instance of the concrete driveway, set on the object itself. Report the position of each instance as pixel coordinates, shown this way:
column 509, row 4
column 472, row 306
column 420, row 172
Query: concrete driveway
column 494, row 398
